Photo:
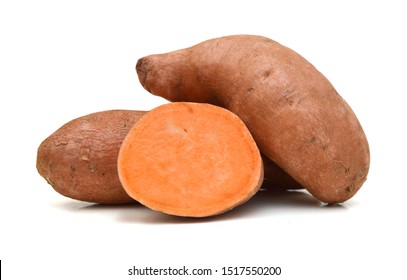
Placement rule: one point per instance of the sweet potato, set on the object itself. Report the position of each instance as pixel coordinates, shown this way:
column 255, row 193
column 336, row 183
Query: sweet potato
column 294, row 113
column 190, row 159
column 79, row 160
column 276, row 178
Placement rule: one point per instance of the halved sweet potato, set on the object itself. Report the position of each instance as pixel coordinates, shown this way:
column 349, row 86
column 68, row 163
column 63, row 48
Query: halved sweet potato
column 190, row 159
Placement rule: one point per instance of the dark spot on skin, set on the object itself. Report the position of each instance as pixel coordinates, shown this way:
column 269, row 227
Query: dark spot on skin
column 288, row 95
column 288, row 91
column 349, row 189
column 313, row 140
column 266, row 74
column 341, row 165
column 73, row 169
column 185, row 129
column 267, row 39
column 179, row 83
column 61, row 143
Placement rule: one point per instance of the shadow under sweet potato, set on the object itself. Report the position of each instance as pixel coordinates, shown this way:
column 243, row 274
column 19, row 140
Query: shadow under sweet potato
column 264, row 203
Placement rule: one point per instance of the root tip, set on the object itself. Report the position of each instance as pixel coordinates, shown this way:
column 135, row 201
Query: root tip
column 141, row 70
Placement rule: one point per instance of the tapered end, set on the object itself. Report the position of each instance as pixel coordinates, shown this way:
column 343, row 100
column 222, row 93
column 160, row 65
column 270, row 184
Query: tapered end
column 141, row 68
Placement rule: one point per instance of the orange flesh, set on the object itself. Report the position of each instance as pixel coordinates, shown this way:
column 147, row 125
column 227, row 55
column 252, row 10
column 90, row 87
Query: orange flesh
column 190, row 159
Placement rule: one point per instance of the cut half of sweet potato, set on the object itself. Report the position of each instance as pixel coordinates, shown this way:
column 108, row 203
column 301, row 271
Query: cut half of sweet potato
column 190, row 159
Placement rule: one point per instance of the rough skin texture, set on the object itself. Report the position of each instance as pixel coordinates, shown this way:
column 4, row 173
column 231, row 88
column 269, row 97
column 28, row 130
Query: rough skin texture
column 296, row 116
column 79, row 160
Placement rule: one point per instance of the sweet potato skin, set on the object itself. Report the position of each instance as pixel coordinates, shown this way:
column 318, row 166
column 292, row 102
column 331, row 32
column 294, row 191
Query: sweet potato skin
column 296, row 116
column 79, row 160
column 275, row 178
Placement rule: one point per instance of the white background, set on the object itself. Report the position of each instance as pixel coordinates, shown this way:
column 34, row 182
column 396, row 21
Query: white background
column 63, row 59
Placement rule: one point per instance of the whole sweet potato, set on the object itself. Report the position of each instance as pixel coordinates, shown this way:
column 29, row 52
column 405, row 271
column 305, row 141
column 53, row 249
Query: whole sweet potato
column 79, row 160
column 296, row 116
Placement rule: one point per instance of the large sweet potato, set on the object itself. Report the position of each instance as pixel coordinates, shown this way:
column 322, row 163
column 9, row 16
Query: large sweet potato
column 296, row 116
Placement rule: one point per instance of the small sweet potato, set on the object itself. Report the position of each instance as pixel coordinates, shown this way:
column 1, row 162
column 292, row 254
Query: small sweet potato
column 294, row 113
column 79, row 160
column 190, row 159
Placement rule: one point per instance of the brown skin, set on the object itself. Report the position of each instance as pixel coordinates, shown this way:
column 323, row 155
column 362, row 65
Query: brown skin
column 294, row 113
column 79, row 160
column 276, row 178
column 190, row 159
